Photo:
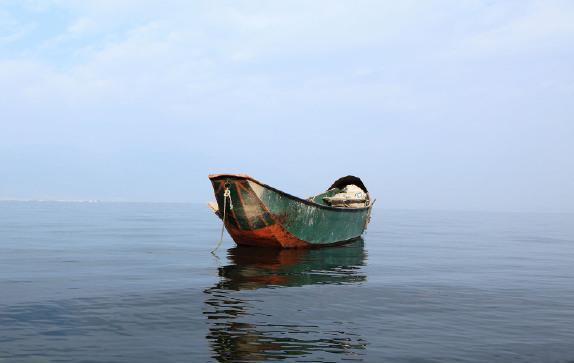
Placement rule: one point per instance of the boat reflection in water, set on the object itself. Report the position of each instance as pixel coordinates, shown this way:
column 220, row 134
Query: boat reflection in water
column 248, row 321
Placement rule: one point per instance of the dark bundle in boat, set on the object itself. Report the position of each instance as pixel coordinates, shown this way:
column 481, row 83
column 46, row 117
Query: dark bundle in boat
column 259, row 215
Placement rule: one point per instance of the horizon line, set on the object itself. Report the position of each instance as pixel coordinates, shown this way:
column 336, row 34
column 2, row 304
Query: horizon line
column 99, row 201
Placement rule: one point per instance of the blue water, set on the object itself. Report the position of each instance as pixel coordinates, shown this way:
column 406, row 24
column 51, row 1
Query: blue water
column 105, row 282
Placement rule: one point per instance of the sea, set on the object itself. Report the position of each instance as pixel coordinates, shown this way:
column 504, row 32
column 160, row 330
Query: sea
column 136, row 282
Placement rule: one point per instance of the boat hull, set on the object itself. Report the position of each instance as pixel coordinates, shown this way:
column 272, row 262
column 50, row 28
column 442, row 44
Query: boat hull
column 259, row 215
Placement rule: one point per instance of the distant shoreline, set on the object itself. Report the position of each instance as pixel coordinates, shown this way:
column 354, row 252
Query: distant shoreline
column 91, row 201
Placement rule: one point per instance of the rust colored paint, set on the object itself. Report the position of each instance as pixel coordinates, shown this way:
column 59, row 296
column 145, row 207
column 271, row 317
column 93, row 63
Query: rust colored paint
column 273, row 235
column 270, row 236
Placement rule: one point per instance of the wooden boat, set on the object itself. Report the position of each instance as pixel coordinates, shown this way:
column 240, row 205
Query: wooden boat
column 256, row 214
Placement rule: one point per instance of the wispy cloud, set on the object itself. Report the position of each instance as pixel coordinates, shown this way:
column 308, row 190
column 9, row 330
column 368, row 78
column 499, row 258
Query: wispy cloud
column 411, row 81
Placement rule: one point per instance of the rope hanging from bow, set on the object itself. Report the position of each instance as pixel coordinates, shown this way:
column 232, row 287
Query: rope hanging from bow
column 226, row 195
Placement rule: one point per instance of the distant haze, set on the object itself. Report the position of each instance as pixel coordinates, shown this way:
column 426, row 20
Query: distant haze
column 434, row 104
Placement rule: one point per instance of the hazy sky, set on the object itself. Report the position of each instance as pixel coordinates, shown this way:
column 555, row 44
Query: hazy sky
column 435, row 104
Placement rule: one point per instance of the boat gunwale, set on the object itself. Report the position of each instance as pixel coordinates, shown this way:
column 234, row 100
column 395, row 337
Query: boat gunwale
column 305, row 201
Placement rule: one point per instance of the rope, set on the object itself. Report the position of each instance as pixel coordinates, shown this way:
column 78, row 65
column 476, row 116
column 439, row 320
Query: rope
column 226, row 194
column 368, row 220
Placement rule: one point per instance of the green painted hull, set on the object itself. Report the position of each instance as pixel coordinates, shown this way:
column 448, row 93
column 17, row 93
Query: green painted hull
column 261, row 213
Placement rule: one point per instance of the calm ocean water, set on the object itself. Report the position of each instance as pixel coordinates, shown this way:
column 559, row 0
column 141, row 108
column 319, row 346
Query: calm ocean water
column 109, row 282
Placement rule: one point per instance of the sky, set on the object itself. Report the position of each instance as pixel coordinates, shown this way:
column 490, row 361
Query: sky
column 464, row 105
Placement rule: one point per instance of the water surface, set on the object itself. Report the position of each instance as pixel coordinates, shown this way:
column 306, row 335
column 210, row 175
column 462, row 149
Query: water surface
column 112, row 282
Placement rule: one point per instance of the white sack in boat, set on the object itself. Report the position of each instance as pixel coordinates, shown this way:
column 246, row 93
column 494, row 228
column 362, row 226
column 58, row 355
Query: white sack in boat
column 352, row 197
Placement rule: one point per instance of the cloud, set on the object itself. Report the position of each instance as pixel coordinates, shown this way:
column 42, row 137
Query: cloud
column 413, row 87
column 12, row 30
column 533, row 27
column 187, row 57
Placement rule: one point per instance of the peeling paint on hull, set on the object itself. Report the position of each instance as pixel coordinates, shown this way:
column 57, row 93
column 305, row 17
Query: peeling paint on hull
column 266, row 217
